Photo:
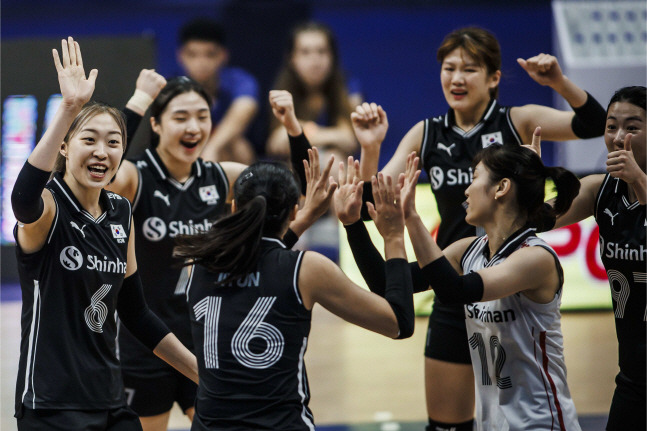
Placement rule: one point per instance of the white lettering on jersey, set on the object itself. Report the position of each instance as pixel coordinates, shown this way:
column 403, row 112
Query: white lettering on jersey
column 614, row 250
column 162, row 196
column 442, row 146
column 250, row 280
column 209, row 194
column 95, row 263
column 491, row 138
column 118, row 232
column 141, row 164
column 71, row 258
column 114, row 196
column 80, row 229
column 452, row 177
column 96, row 313
column 154, row 228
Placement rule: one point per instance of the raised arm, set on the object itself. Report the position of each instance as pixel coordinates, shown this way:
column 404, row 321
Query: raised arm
column 585, row 121
column 33, row 206
column 322, row 281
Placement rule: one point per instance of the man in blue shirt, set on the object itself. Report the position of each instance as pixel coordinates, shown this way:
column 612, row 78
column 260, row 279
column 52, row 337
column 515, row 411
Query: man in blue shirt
column 203, row 55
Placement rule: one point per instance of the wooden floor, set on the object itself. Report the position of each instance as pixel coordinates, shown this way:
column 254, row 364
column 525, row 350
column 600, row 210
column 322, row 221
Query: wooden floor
column 359, row 377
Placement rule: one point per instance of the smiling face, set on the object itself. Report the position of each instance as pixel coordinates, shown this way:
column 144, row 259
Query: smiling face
column 623, row 118
column 184, row 127
column 93, row 152
column 480, row 197
column 466, row 83
column 312, row 58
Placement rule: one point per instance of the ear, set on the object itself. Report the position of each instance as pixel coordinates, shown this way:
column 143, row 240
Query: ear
column 155, row 126
column 293, row 213
column 503, row 188
column 494, row 79
column 63, row 149
column 179, row 54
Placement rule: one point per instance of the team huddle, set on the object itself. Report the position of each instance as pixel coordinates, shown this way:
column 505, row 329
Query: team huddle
column 171, row 277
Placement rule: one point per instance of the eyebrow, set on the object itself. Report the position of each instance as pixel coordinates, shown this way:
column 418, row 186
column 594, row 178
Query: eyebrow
column 187, row 111
column 632, row 118
column 111, row 132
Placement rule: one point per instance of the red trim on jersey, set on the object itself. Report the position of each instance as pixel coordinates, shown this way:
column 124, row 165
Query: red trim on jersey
column 544, row 360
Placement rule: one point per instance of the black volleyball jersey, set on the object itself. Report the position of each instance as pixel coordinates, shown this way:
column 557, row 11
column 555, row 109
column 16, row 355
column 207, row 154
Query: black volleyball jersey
column 623, row 250
column 446, row 155
column 162, row 209
column 250, row 340
column 68, row 357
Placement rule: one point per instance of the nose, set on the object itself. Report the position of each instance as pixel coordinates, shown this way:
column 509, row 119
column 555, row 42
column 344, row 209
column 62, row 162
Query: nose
column 192, row 126
column 619, row 138
column 457, row 77
column 100, row 150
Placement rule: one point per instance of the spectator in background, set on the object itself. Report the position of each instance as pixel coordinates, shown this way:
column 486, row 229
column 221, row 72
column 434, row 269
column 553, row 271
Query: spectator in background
column 203, row 55
column 312, row 74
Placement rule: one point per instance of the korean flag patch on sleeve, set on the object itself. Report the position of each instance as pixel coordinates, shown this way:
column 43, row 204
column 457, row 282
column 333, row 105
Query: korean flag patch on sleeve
column 209, row 194
column 118, row 232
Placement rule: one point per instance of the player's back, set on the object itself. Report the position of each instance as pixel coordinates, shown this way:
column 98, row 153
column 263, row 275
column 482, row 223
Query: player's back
column 250, row 338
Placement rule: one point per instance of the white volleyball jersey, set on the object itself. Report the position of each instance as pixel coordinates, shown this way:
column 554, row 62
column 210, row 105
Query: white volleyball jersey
column 517, row 351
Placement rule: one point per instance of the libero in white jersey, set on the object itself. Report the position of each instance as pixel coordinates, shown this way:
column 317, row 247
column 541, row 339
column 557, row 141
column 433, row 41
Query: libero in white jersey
column 517, row 345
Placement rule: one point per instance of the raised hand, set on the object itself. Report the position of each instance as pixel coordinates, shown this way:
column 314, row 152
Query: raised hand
column 407, row 183
column 535, row 145
column 370, row 124
column 319, row 191
column 543, row 68
column 622, row 163
column 387, row 212
column 76, row 89
column 283, row 109
column 348, row 197
column 150, row 82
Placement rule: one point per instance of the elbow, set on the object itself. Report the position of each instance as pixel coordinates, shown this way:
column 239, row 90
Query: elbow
column 406, row 328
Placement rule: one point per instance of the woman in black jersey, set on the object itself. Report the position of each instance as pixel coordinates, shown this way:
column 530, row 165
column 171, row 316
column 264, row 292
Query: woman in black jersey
column 250, row 301
column 173, row 192
column 470, row 74
column 77, row 266
column 617, row 201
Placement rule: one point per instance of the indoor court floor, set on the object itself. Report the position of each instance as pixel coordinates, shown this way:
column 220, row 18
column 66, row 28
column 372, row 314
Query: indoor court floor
column 360, row 381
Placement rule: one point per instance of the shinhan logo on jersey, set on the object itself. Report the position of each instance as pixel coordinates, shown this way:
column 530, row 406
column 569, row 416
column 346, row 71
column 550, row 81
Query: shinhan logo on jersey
column 476, row 311
column 154, row 228
column 118, row 232
column 72, row 259
column 452, row 177
column 613, row 250
column 491, row 138
column 209, row 194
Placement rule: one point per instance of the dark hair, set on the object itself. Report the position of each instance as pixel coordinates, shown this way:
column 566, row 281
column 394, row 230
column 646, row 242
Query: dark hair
column 202, row 29
column 89, row 111
column 173, row 88
column 634, row 95
column 526, row 170
column 479, row 44
column 265, row 194
column 334, row 87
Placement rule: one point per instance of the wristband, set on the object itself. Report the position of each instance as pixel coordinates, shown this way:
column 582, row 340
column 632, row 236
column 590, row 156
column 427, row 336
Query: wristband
column 290, row 238
column 140, row 100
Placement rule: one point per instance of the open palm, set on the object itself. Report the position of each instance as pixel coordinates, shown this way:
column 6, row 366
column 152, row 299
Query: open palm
column 76, row 89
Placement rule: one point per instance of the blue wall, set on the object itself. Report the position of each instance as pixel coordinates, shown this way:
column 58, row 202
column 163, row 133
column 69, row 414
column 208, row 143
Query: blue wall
column 389, row 46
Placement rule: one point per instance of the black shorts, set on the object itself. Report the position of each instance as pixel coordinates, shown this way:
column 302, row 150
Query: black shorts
column 628, row 408
column 152, row 396
column 119, row 419
column 447, row 335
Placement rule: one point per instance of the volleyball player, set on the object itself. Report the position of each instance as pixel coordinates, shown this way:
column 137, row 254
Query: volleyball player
column 617, row 201
column 173, row 192
column 470, row 74
column 251, row 300
column 77, row 266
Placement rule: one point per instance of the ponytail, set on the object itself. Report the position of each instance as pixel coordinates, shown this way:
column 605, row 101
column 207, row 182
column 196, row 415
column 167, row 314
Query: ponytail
column 231, row 245
column 567, row 187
